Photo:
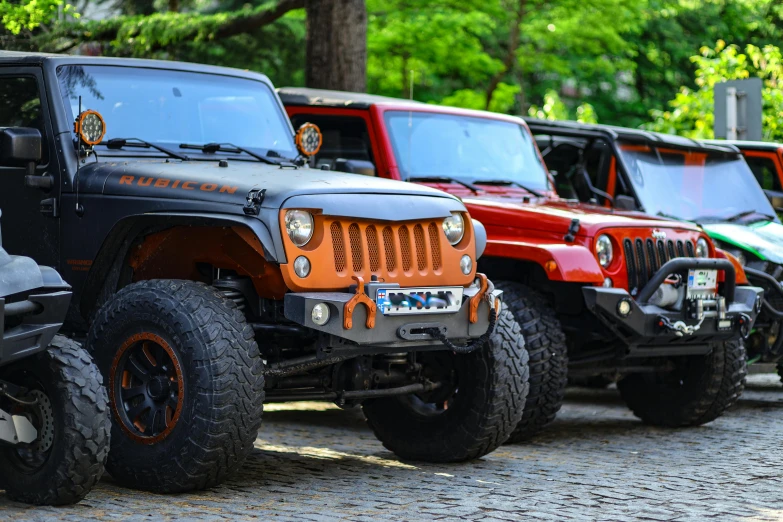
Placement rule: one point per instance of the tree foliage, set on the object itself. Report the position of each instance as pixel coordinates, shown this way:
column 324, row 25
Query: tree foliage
column 691, row 114
column 28, row 15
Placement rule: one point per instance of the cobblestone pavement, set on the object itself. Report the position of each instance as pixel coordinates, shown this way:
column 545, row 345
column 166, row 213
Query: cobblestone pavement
column 597, row 462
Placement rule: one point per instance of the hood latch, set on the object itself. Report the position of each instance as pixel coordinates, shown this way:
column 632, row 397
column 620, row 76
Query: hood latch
column 573, row 228
column 254, row 199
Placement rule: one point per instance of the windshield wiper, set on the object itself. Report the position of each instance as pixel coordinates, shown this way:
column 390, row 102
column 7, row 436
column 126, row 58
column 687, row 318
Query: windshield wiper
column 506, row 183
column 211, row 148
column 737, row 217
column 443, row 179
column 119, row 143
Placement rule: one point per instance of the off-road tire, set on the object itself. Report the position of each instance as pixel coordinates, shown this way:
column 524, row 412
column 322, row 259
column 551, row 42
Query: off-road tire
column 493, row 384
column 223, row 390
column 700, row 390
column 546, row 345
column 80, row 408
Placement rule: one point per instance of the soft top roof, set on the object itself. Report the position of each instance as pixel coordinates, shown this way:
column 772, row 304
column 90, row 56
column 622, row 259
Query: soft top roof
column 327, row 98
column 590, row 130
column 25, row 58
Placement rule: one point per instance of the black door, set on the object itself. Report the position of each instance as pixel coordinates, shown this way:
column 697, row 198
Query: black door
column 26, row 229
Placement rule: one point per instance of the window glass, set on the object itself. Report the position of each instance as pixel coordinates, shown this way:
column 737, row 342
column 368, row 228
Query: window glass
column 345, row 137
column 765, row 172
column 20, row 104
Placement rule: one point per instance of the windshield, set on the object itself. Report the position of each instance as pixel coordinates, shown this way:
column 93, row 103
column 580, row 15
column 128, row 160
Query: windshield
column 463, row 147
column 694, row 185
column 174, row 107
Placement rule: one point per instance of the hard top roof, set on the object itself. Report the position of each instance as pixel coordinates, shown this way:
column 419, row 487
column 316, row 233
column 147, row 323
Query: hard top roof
column 327, row 98
column 753, row 145
column 577, row 129
column 26, row 58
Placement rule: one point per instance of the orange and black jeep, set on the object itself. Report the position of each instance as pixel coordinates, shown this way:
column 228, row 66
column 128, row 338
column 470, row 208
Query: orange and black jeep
column 212, row 270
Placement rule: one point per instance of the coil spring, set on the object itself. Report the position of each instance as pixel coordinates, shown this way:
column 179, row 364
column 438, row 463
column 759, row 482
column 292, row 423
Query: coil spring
column 225, row 289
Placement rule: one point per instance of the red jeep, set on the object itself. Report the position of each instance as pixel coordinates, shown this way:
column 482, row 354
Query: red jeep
column 647, row 302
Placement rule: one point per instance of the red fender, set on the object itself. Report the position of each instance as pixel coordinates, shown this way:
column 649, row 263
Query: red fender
column 560, row 261
column 741, row 277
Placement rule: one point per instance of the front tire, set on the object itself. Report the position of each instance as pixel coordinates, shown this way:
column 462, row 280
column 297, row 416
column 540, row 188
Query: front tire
column 186, row 385
column 478, row 414
column 700, row 388
column 546, row 345
column 71, row 416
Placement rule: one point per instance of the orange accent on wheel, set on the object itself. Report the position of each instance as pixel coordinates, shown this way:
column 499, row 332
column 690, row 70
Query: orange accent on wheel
column 146, row 388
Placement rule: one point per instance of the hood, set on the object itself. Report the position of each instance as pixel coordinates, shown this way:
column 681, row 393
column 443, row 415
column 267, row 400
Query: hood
column 764, row 239
column 555, row 215
column 207, row 181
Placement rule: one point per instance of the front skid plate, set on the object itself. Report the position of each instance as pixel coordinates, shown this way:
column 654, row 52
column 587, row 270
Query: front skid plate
column 390, row 330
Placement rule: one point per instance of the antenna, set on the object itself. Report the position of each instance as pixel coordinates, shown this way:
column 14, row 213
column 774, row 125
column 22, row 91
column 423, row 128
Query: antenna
column 410, row 128
column 79, row 208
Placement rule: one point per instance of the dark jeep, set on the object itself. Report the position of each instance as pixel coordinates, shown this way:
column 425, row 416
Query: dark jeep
column 54, row 415
column 212, row 271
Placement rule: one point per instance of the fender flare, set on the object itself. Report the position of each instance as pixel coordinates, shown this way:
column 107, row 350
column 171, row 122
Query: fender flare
column 560, row 261
column 107, row 266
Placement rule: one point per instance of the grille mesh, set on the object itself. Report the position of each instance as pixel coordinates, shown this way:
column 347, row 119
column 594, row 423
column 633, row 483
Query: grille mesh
column 644, row 258
column 435, row 246
column 405, row 248
column 339, row 246
column 372, row 249
column 421, row 247
column 355, row 238
column 389, row 250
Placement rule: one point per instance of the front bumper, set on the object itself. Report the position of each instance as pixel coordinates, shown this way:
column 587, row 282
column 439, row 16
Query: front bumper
column 647, row 331
column 390, row 331
column 41, row 316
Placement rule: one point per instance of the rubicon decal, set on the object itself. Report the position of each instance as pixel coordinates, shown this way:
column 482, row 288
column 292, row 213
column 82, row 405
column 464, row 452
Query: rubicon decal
column 162, row 183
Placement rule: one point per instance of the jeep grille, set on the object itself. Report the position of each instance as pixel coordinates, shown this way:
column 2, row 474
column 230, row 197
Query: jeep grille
column 403, row 246
column 643, row 257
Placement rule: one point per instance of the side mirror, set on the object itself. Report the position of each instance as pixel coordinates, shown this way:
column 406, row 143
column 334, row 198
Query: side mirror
column 622, row 202
column 20, row 147
column 775, row 198
column 353, row 166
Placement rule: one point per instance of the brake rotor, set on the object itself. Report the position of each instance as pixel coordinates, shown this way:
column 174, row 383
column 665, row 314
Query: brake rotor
column 46, row 419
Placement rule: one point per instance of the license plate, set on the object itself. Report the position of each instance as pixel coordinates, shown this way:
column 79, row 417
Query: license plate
column 702, row 283
column 418, row 301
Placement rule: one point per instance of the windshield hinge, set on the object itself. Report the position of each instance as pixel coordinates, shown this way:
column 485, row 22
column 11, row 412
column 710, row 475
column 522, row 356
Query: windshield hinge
column 50, row 207
column 254, row 199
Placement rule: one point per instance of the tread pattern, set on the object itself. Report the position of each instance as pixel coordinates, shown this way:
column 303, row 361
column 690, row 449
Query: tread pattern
column 711, row 385
column 224, row 384
column 494, row 380
column 546, row 344
column 80, row 448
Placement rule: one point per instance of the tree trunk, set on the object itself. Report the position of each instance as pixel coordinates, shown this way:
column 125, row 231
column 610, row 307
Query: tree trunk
column 511, row 52
column 336, row 45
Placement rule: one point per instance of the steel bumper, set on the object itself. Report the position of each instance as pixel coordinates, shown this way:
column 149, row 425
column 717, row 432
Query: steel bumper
column 392, row 331
column 41, row 317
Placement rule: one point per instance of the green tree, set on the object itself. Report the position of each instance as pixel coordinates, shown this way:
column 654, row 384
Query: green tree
column 691, row 113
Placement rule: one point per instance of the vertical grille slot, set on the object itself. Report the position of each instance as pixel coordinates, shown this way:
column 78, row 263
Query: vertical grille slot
column 372, row 249
column 641, row 259
column 680, row 248
column 630, row 265
column 435, row 246
column 652, row 258
column 661, row 252
column 689, row 248
column 338, row 245
column 670, row 248
column 421, row 247
column 355, row 237
column 405, row 248
column 389, row 250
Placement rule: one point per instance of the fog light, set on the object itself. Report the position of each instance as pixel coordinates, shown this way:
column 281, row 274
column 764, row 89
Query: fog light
column 466, row 264
column 608, row 283
column 320, row 314
column 624, row 308
column 302, row 266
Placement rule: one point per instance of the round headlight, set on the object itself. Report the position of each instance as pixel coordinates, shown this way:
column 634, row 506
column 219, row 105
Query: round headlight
column 302, row 266
column 603, row 249
column 299, row 226
column 320, row 314
column 90, row 127
column 702, row 248
column 454, row 228
column 466, row 264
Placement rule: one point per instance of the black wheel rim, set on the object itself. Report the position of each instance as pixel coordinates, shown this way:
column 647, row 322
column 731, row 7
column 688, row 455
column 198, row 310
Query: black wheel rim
column 440, row 367
column 147, row 388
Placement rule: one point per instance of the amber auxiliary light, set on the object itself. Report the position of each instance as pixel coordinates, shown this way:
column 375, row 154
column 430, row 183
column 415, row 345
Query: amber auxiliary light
column 90, row 127
column 309, row 139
